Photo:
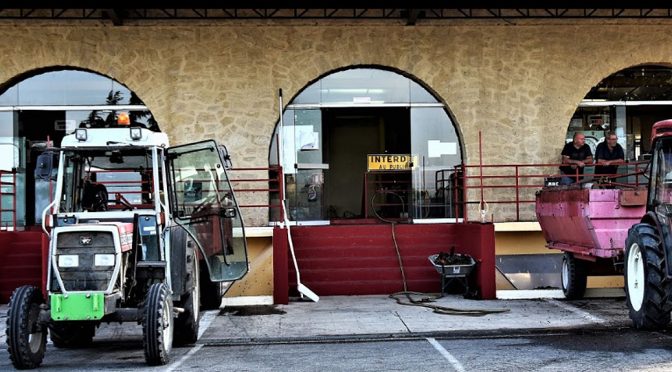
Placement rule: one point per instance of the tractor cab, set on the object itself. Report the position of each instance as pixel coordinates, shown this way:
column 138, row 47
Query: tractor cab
column 660, row 197
column 648, row 248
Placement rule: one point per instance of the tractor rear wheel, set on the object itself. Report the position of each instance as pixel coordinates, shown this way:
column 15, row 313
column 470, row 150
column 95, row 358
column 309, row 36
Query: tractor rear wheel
column 574, row 276
column 72, row 334
column 157, row 325
column 26, row 338
column 647, row 289
column 211, row 292
column 186, row 324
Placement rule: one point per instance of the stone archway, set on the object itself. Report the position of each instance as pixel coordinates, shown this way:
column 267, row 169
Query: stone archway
column 402, row 107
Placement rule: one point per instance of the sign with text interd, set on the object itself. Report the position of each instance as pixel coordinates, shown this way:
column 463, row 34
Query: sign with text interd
column 389, row 162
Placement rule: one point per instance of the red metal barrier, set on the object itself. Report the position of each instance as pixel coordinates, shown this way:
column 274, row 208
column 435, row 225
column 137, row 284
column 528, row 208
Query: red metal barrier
column 8, row 181
column 506, row 179
column 236, row 184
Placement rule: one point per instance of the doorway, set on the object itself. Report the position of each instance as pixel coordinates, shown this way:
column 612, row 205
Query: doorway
column 351, row 135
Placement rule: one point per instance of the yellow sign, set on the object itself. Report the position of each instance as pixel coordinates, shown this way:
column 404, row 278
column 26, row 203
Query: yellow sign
column 387, row 162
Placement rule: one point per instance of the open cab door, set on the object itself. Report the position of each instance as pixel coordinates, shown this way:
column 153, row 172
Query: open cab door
column 203, row 202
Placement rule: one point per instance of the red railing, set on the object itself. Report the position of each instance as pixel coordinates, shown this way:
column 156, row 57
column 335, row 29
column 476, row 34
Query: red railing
column 7, row 188
column 512, row 184
column 244, row 184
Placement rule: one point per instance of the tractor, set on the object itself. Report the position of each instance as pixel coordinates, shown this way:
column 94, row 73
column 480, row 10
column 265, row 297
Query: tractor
column 137, row 232
column 648, row 247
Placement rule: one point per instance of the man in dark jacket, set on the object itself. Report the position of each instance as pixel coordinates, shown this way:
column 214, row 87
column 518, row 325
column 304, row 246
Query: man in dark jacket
column 576, row 155
column 608, row 155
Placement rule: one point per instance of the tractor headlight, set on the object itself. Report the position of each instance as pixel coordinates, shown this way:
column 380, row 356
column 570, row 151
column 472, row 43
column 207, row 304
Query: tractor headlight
column 136, row 134
column 68, row 260
column 80, row 134
column 103, row 260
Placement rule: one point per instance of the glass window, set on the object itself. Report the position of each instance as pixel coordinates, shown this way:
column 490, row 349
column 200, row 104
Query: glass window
column 309, row 95
column 68, row 87
column 364, row 86
column 10, row 97
column 420, row 94
column 436, row 150
column 107, row 118
column 433, row 141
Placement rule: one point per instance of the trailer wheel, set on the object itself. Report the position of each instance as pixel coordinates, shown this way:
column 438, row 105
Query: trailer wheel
column 157, row 327
column 186, row 324
column 574, row 276
column 648, row 291
column 26, row 338
column 72, row 334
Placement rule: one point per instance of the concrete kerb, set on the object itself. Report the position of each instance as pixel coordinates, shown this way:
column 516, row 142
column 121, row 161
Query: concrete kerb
column 444, row 335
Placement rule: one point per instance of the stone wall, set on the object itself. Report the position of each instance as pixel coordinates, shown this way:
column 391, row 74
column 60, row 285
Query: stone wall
column 517, row 83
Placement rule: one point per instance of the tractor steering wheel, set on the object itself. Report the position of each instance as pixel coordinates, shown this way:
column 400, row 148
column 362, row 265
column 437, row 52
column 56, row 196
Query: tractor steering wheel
column 204, row 204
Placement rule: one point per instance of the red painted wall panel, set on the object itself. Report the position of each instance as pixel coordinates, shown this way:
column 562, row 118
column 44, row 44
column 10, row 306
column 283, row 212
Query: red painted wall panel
column 361, row 259
column 20, row 261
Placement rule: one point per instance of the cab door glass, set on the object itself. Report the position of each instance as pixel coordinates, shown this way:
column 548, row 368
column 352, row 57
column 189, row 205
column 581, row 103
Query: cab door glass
column 203, row 201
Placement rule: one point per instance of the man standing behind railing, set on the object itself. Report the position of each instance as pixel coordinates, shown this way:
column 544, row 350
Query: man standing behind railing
column 608, row 155
column 577, row 155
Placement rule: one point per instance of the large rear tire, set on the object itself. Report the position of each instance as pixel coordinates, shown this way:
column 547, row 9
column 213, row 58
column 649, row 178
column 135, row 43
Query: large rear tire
column 647, row 289
column 574, row 276
column 26, row 338
column 157, row 325
column 72, row 334
column 186, row 324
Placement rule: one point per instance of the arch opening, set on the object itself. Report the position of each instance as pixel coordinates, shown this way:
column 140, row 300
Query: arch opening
column 627, row 103
column 37, row 109
column 365, row 144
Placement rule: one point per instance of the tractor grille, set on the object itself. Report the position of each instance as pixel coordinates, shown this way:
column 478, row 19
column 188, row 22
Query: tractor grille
column 86, row 276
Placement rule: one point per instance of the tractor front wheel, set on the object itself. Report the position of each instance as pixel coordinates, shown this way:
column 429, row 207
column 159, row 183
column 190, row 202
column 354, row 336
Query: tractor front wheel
column 157, row 325
column 26, row 338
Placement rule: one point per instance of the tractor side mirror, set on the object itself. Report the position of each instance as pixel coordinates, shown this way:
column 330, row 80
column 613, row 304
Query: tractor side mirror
column 224, row 152
column 45, row 166
column 229, row 213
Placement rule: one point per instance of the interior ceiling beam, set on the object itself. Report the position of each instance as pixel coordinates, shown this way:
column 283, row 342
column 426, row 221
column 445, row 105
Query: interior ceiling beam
column 115, row 16
column 410, row 15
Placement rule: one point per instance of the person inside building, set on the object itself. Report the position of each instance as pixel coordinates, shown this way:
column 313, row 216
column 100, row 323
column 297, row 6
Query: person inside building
column 608, row 155
column 576, row 155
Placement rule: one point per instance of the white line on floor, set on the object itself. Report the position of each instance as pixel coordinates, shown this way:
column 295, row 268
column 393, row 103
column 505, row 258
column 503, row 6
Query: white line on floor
column 186, row 356
column 453, row 361
column 584, row 314
column 206, row 320
column 203, row 324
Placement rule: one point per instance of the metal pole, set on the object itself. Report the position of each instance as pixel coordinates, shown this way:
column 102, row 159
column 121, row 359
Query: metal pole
column 281, row 175
column 281, row 147
column 517, row 197
column 14, row 201
column 465, row 198
column 480, row 162
column 454, row 186
column 482, row 204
